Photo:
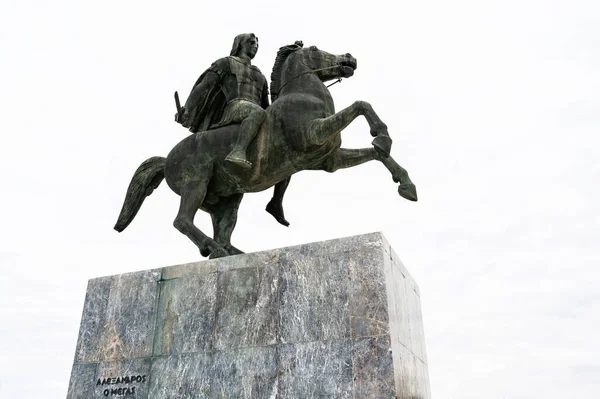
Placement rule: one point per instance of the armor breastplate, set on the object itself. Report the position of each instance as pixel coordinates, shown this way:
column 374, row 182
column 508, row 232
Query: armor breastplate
column 250, row 82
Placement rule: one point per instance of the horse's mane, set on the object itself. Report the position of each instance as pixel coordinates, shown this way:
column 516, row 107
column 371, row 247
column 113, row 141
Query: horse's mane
column 282, row 55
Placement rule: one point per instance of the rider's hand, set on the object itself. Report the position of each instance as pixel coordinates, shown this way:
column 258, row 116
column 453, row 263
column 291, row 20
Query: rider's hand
column 180, row 116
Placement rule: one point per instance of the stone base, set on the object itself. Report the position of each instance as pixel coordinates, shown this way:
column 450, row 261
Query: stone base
column 332, row 319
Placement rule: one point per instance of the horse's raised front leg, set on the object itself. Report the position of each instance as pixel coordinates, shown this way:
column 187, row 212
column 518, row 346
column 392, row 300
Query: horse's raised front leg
column 347, row 158
column 407, row 188
column 320, row 130
column 192, row 195
column 343, row 158
column 224, row 217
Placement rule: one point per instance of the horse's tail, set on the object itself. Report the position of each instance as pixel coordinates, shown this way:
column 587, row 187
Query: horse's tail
column 145, row 179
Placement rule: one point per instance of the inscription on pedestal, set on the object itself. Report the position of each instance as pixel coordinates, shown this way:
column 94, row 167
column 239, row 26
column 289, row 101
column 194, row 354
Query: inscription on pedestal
column 113, row 390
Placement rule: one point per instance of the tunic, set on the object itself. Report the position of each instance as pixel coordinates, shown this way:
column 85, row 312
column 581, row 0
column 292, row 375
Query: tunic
column 240, row 90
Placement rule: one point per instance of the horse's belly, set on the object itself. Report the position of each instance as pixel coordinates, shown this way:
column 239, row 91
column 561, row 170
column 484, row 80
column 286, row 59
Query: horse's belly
column 227, row 181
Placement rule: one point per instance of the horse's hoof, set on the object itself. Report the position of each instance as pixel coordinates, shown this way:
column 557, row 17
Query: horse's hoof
column 218, row 253
column 383, row 145
column 408, row 191
column 205, row 252
column 233, row 250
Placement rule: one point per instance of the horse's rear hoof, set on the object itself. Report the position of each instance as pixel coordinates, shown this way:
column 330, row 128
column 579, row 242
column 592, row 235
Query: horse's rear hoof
column 408, row 191
column 213, row 253
column 383, row 145
column 233, row 250
column 205, row 252
column 218, row 253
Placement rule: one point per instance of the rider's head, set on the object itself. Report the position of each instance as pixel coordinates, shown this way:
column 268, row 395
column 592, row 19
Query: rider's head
column 245, row 44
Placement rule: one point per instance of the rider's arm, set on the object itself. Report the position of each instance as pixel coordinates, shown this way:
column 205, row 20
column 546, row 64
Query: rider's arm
column 201, row 90
column 203, row 86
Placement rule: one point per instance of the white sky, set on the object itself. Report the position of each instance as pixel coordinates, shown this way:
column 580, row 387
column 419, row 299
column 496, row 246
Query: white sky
column 495, row 112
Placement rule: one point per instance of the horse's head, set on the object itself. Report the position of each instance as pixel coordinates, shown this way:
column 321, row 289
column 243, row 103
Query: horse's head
column 325, row 65
column 294, row 61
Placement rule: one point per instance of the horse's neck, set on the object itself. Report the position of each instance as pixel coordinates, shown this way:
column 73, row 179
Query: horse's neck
column 306, row 82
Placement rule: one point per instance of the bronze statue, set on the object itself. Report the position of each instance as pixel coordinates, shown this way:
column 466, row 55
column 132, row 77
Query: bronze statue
column 233, row 91
column 301, row 131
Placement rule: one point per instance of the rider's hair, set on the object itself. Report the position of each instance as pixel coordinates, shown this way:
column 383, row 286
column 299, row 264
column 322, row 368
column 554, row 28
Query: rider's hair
column 239, row 40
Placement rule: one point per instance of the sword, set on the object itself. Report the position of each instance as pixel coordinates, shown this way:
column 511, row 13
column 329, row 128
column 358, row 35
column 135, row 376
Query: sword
column 179, row 109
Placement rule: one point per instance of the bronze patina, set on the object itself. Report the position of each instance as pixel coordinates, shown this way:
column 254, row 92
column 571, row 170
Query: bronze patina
column 300, row 130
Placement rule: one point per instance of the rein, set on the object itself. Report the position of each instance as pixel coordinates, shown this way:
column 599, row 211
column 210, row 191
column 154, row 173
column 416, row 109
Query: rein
column 311, row 71
column 337, row 81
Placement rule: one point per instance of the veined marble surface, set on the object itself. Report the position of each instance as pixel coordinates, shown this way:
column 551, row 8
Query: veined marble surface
column 331, row 319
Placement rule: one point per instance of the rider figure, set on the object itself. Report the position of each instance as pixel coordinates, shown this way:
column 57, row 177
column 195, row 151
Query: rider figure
column 242, row 92
column 233, row 91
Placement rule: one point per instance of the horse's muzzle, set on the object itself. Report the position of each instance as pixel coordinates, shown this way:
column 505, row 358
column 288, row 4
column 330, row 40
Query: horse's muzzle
column 348, row 65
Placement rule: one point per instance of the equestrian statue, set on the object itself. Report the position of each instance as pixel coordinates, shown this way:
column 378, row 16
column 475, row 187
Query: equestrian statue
column 241, row 144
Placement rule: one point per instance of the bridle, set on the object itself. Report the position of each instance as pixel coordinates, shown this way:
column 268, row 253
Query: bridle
column 338, row 80
column 312, row 71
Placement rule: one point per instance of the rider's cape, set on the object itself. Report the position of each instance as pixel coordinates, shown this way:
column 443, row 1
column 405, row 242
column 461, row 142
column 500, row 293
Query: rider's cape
column 207, row 111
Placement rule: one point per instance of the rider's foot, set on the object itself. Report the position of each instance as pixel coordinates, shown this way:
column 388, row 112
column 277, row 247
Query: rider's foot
column 238, row 158
column 276, row 210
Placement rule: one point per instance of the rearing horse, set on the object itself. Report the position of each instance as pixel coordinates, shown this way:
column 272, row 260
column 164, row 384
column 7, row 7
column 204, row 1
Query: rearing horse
column 301, row 132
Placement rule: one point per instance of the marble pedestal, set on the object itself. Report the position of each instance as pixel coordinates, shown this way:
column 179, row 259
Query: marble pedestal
column 332, row 319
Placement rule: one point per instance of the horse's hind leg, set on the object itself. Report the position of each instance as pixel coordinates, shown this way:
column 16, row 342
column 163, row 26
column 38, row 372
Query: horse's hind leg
column 224, row 218
column 192, row 195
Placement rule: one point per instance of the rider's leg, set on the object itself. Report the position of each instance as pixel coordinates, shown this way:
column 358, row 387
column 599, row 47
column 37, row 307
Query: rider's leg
column 248, row 130
column 275, row 206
